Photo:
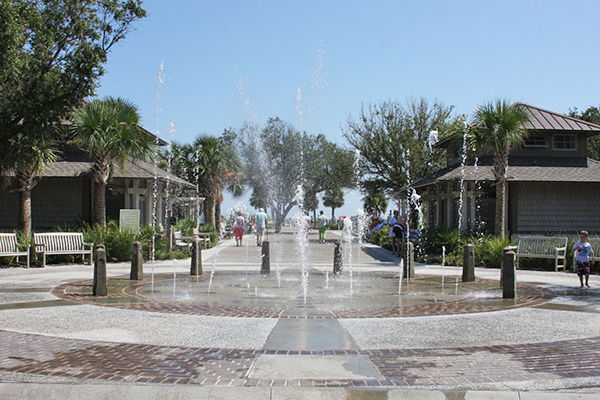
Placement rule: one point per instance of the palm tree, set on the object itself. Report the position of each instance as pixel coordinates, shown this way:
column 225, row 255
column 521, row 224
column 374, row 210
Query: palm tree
column 333, row 198
column 498, row 126
column 375, row 204
column 109, row 131
column 28, row 158
column 211, row 164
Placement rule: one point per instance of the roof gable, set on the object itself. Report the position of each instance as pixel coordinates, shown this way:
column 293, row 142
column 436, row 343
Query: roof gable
column 540, row 120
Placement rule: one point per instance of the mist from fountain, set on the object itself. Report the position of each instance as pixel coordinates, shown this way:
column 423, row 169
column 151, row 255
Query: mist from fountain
column 347, row 250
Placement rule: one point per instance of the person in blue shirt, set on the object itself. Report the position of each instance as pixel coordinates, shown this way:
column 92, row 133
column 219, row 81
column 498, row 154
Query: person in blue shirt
column 260, row 220
column 583, row 251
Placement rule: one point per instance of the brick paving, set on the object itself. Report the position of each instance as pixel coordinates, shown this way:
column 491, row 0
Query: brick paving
column 502, row 366
column 443, row 367
column 81, row 292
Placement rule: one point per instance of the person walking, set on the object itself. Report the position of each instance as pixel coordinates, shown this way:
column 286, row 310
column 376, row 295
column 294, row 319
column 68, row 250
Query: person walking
column 583, row 250
column 238, row 228
column 260, row 221
column 322, row 222
column 393, row 221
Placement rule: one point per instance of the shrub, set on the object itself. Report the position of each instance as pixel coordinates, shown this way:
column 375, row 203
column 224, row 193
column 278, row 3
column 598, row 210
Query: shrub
column 488, row 250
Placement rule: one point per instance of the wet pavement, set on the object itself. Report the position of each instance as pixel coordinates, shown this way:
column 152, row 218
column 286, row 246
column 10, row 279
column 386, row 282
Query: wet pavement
column 232, row 332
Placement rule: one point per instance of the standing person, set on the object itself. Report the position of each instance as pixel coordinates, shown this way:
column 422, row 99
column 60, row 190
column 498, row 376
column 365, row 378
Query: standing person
column 238, row 228
column 583, row 251
column 260, row 220
column 307, row 221
column 393, row 221
column 322, row 222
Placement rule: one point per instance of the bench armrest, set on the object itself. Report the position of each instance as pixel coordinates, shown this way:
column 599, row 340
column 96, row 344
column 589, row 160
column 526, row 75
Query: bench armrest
column 24, row 245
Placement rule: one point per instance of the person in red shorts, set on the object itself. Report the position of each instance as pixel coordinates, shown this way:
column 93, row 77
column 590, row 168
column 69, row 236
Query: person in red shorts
column 238, row 228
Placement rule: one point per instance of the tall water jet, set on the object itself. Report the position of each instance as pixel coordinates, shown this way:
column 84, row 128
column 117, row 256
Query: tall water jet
column 347, row 250
column 462, row 181
column 301, row 240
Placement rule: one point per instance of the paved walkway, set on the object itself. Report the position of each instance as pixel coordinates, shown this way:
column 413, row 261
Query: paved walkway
column 159, row 338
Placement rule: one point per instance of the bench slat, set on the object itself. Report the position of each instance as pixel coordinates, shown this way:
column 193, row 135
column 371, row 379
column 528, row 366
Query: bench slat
column 9, row 247
column 553, row 247
column 62, row 243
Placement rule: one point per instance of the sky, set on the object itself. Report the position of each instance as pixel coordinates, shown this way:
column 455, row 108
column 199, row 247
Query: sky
column 199, row 67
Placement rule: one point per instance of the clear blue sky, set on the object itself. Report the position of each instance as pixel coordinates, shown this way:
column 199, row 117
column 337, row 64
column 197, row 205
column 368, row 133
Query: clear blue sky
column 313, row 63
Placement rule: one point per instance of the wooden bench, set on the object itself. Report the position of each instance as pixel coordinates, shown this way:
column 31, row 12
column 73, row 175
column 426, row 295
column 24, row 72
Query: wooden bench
column 62, row 243
column 186, row 241
column 203, row 236
column 551, row 247
column 10, row 248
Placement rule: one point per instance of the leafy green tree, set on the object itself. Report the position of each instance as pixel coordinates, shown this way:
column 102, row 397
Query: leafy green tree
column 375, row 204
column 394, row 142
column 333, row 198
column 51, row 56
column 278, row 160
column 497, row 126
column 109, row 131
column 591, row 114
column 311, row 204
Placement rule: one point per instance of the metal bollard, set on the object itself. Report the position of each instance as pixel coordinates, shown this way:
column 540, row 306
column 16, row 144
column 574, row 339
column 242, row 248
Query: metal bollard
column 266, row 260
column 99, row 286
column 137, row 262
column 409, row 260
column 509, row 276
column 196, row 267
column 337, row 258
column 468, row 263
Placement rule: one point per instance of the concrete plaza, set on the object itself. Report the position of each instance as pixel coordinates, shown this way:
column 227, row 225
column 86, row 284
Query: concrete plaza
column 61, row 342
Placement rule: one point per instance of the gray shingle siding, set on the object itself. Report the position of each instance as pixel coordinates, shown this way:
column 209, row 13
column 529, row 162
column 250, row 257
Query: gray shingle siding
column 557, row 207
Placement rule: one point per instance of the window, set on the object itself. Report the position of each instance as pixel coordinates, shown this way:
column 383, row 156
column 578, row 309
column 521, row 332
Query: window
column 535, row 141
column 565, row 142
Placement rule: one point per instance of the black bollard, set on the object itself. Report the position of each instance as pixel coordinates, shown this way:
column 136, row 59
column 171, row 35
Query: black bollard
column 468, row 263
column 99, row 288
column 196, row 267
column 266, row 260
column 137, row 262
column 337, row 258
column 409, row 260
column 509, row 276
column 504, row 251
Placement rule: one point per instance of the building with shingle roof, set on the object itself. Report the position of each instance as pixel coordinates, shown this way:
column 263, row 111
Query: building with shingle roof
column 64, row 195
column 551, row 186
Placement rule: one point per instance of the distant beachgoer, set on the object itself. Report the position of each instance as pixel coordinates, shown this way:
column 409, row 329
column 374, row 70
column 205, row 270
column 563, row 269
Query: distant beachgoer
column 238, row 228
column 583, row 251
column 260, row 219
column 322, row 222
column 392, row 234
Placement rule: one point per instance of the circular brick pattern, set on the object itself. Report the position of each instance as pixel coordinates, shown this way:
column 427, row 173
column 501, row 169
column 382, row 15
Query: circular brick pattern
column 126, row 294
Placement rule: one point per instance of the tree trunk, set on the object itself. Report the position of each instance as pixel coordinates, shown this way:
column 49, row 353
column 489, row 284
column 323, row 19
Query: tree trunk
column 25, row 182
column 101, row 171
column 332, row 214
column 209, row 211
column 500, row 209
column 218, row 217
column 500, row 173
column 100, row 203
column 25, row 211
